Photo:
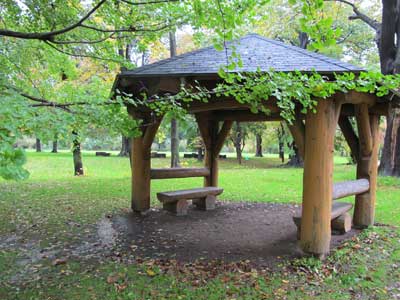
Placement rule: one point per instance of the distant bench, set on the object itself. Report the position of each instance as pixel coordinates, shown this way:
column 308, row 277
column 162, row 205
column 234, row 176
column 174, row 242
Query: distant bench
column 176, row 201
column 158, row 155
column 340, row 218
column 100, row 153
column 195, row 155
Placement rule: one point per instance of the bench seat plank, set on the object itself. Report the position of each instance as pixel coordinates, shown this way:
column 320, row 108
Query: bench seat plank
column 173, row 196
column 349, row 188
column 338, row 208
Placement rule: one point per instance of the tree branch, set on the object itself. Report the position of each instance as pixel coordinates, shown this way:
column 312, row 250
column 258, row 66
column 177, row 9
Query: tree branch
column 81, row 55
column 148, row 2
column 130, row 29
column 359, row 15
column 84, row 41
column 48, row 36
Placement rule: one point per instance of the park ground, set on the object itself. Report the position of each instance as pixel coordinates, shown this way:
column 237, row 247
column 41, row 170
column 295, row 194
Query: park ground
column 53, row 210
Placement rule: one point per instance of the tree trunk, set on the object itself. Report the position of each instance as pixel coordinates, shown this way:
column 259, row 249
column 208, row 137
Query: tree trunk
column 174, row 144
column 259, row 145
column 396, row 168
column 281, row 152
column 386, row 167
column 389, row 61
column 125, row 147
column 174, row 122
column 200, row 154
column 237, row 141
column 77, row 155
column 55, row 146
column 281, row 144
column 38, row 145
column 295, row 159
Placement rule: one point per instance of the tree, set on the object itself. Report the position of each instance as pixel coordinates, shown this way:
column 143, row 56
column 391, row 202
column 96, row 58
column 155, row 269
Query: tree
column 43, row 40
column 258, row 128
column 238, row 137
column 54, row 148
column 38, row 145
column 174, row 121
column 386, row 38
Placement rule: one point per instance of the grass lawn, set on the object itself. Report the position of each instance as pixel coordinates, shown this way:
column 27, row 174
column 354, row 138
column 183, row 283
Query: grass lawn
column 43, row 208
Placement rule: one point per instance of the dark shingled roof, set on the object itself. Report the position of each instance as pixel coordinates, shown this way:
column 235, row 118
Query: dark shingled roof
column 255, row 51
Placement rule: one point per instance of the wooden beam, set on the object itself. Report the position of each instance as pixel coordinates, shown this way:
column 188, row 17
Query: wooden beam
column 354, row 97
column 317, row 179
column 178, row 173
column 350, row 137
column 170, row 84
column 245, row 116
column 380, row 109
column 202, row 123
column 223, row 133
column 367, row 167
column 349, row 188
column 298, row 131
column 228, row 104
column 364, row 129
column 150, row 132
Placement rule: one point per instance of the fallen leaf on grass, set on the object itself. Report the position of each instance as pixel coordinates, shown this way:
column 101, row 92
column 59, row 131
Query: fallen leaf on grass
column 121, row 287
column 112, row 279
column 59, row 261
column 151, row 273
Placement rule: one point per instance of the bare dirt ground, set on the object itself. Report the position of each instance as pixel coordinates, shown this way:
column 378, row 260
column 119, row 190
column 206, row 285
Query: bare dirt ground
column 263, row 233
column 260, row 234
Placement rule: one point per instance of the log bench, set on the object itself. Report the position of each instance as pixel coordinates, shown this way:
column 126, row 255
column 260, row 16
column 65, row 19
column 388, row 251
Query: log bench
column 176, row 201
column 340, row 218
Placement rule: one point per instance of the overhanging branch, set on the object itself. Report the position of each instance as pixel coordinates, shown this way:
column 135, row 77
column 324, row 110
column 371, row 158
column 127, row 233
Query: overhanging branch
column 359, row 15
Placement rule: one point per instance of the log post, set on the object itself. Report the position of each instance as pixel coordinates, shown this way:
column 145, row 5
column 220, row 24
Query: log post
column 367, row 166
column 141, row 164
column 213, row 139
column 315, row 233
column 350, row 136
column 210, row 159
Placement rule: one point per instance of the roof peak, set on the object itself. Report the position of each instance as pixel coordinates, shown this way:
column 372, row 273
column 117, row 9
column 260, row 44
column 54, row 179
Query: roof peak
column 256, row 51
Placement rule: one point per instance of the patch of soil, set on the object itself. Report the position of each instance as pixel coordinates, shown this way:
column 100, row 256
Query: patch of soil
column 263, row 233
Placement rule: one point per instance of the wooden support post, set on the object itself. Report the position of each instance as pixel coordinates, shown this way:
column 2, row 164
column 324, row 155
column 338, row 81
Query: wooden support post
column 350, row 136
column 141, row 164
column 367, row 166
column 317, row 179
column 213, row 139
column 210, row 159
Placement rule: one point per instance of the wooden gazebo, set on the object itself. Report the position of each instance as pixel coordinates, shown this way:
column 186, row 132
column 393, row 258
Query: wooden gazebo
column 313, row 133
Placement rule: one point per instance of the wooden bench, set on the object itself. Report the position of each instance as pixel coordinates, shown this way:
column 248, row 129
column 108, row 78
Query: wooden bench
column 176, row 201
column 100, row 153
column 340, row 218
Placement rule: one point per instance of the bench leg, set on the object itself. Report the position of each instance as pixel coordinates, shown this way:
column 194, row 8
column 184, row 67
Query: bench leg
column 207, row 203
column 342, row 223
column 178, row 208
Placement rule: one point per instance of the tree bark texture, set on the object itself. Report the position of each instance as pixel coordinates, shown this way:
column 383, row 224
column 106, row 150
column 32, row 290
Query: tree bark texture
column 38, row 145
column 125, row 146
column 77, row 155
column 55, row 145
column 259, row 145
